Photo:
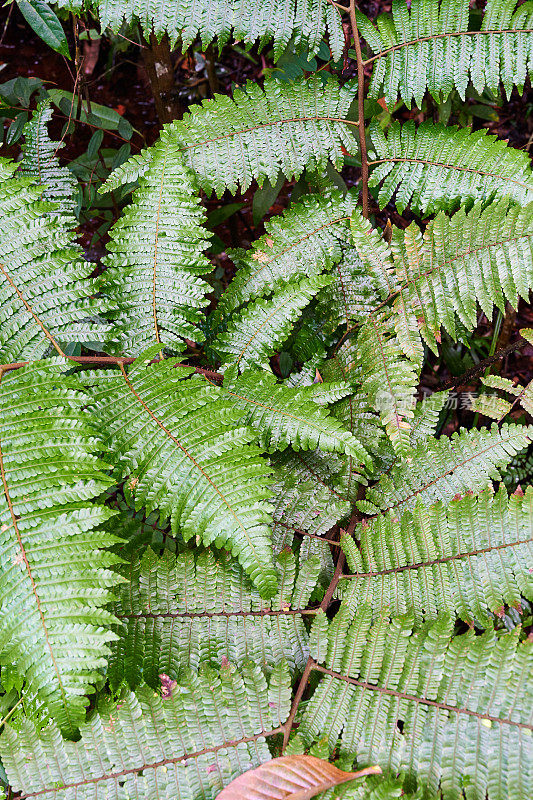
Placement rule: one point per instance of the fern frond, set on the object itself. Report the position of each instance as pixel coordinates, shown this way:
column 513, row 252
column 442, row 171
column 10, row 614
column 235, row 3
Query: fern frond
column 284, row 126
column 435, row 167
column 492, row 405
column 439, row 469
column 305, row 22
column 448, row 711
column 181, row 611
column 254, row 334
column 155, row 258
column 189, row 744
column 180, row 448
column 465, row 559
column 46, row 296
column 39, row 161
column 54, row 578
column 283, row 416
column 307, row 239
column 432, row 46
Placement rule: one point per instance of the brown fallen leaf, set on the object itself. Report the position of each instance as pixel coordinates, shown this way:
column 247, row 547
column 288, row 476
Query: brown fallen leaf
column 290, row 778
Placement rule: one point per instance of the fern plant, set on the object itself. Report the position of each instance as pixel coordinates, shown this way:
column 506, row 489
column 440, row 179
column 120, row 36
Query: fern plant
column 208, row 558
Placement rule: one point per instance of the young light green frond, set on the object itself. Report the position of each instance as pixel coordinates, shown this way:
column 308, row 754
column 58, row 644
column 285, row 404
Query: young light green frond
column 285, row 126
column 439, row 469
column 46, row 297
column 434, row 167
column 180, row 611
column 179, row 446
column 433, row 46
column 448, row 711
column 305, row 22
column 55, row 579
column 492, row 405
column 305, row 240
column 284, row 416
column 388, row 377
column 40, row 161
column 155, row 258
column 253, row 335
column 189, row 743
column 470, row 557
column 481, row 256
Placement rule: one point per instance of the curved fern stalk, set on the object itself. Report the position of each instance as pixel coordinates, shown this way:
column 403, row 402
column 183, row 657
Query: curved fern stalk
column 39, row 161
column 180, row 611
column 155, row 258
column 307, row 239
column 54, row 577
column 283, row 416
column 466, row 559
column 46, row 297
column 187, row 744
column 253, row 335
column 180, row 448
column 434, row 167
column 439, row 469
column 432, row 47
column 446, row 710
column 285, row 126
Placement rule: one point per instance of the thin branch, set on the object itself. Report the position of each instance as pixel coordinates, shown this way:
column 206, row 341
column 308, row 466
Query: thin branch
column 360, row 106
column 472, row 373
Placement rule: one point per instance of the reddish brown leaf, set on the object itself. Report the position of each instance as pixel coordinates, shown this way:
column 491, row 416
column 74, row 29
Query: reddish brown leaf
column 290, row 778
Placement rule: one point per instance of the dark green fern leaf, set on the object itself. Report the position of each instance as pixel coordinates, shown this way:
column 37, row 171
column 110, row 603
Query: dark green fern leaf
column 181, row 449
column 155, row 258
column 54, row 579
column 434, row 46
column 189, row 743
column 465, row 559
column 180, row 611
column 434, row 167
column 448, row 711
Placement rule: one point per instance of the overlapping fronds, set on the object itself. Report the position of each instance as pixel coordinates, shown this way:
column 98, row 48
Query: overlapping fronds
column 470, row 557
column 40, row 161
column 481, row 256
column 388, row 377
column 45, row 293
column 432, row 45
column 180, row 448
column 305, row 240
column 54, row 578
column 284, row 416
column 182, row 611
column 452, row 712
column 434, row 167
column 254, row 334
column 188, row 744
column 303, row 21
column 284, row 126
column 492, row 405
column 439, row 469
column 155, row 258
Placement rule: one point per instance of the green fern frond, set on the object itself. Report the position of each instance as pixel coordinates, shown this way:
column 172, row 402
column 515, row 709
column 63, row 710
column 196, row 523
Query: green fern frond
column 46, row 296
column 283, row 416
column 284, row 126
column 180, row 448
column 254, row 334
column 433, row 46
column 39, row 161
column 465, row 559
column 181, row 611
column 426, row 417
column 305, row 22
column 155, row 258
column 492, row 405
column 54, row 578
column 307, row 239
column 439, row 469
column 434, row 167
column 449, row 711
column 188, row 744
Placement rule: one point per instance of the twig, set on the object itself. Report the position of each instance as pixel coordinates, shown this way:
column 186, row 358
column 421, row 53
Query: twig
column 472, row 373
